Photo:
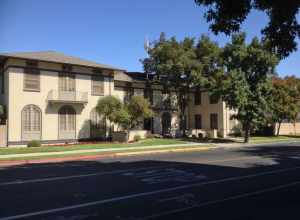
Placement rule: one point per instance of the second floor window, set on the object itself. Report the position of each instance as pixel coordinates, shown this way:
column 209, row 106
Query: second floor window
column 213, row 99
column 97, row 85
column 66, row 82
column 31, row 77
column 148, row 94
column 129, row 92
column 197, row 98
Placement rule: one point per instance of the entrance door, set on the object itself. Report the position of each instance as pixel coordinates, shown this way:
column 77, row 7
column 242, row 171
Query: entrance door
column 166, row 123
column 67, row 123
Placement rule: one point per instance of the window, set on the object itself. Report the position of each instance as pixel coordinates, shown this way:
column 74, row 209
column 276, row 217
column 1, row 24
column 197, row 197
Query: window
column 67, row 118
column 31, row 123
column 197, row 98
column 214, row 121
column 97, row 85
column 129, row 92
column 198, row 122
column 148, row 94
column 66, row 82
column 213, row 99
column 31, row 77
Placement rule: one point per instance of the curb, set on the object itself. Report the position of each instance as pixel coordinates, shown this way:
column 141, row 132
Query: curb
column 9, row 163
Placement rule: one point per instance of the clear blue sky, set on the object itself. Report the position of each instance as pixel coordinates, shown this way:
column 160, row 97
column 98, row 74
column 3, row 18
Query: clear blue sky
column 110, row 31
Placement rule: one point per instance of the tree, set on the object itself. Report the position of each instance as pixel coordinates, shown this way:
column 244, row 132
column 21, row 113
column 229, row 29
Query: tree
column 175, row 65
column 246, row 83
column 138, row 109
column 227, row 15
column 126, row 115
column 107, row 107
column 286, row 95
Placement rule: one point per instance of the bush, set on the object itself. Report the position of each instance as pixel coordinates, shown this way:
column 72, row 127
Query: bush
column 150, row 135
column 137, row 137
column 34, row 143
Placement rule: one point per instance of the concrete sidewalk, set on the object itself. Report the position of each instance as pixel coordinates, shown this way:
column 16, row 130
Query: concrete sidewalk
column 104, row 150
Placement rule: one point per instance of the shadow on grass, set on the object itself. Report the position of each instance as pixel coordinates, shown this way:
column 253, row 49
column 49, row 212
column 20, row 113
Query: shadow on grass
column 211, row 140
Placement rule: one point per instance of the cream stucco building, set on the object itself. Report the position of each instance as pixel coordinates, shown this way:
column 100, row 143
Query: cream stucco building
column 52, row 97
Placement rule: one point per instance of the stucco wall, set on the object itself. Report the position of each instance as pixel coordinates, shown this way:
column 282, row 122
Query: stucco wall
column 48, row 81
column 205, row 109
column 288, row 128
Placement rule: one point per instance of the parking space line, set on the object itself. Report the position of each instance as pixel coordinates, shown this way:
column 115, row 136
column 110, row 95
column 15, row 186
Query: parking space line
column 143, row 194
column 39, row 180
column 78, row 176
column 230, row 198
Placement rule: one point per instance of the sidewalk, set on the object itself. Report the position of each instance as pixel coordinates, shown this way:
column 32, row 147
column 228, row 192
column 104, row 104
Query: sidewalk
column 105, row 150
column 93, row 154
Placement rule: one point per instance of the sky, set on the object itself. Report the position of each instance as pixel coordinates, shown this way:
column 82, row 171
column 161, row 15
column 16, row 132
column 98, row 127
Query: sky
column 112, row 31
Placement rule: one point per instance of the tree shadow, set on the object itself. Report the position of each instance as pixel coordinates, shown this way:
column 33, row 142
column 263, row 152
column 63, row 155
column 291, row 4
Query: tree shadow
column 124, row 179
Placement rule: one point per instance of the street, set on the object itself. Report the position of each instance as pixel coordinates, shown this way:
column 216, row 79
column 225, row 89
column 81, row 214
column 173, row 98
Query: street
column 255, row 182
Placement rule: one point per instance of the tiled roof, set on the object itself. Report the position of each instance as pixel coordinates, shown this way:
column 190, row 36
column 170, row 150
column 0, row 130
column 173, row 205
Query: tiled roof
column 56, row 57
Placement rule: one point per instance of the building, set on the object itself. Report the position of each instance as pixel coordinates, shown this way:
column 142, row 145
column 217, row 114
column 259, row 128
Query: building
column 51, row 97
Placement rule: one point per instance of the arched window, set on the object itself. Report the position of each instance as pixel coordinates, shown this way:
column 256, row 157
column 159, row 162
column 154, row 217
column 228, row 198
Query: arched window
column 31, row 122
column 67, row 122
column 97, row 125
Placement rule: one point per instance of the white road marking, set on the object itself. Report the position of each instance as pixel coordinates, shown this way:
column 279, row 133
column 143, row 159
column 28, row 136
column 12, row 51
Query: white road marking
column 78, row 176
column 112, row 172
column 240, row 196
column 143, row 194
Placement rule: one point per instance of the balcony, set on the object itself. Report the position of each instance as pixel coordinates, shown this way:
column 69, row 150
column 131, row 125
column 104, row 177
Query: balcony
column 164, row 105
column 55, row 96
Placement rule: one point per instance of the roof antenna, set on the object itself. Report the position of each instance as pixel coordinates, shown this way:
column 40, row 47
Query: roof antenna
column 147, row 47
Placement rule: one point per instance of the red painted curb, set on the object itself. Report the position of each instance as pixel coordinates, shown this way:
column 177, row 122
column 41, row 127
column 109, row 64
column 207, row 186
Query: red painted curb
column 8, row 163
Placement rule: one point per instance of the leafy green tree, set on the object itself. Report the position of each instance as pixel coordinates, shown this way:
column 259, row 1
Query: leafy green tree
column 122, row 118
column 107, row 107
column 281, row 31
column 285, row 105
column 246, row 83
column 138, row 109
column 126, row 115
column 177, row 64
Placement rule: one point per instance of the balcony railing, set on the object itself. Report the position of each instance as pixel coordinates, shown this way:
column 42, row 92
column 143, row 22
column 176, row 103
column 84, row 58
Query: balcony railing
column 164, row 105
column 67, row 96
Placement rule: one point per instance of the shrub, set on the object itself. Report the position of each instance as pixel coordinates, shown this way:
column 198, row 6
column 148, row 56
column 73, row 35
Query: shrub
column 34, row 143
column 137, row 137
column 150, row 135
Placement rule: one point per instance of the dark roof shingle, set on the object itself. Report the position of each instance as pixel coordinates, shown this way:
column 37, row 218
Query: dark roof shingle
column 56, row 57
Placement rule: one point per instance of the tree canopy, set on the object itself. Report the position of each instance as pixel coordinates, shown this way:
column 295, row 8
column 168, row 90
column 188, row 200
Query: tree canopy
column 281, row 32
column 179, row 64
column 126, row 115
column 246, row 82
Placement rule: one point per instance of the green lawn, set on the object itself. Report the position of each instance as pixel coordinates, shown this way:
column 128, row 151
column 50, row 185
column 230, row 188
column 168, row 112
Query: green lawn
column 147, row 142
column 96, row 153
column 272, row 138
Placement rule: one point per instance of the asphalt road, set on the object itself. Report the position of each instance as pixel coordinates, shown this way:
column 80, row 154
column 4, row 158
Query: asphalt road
column 261, row 182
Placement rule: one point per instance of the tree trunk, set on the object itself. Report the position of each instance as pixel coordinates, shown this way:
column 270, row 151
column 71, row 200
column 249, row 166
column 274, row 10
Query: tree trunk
column 182, row 104
column 247, row 133
column 278, row 129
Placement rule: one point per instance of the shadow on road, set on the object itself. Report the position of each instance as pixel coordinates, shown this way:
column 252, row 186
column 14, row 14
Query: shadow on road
column 85, row 181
